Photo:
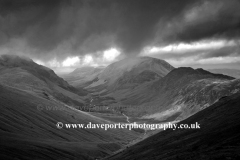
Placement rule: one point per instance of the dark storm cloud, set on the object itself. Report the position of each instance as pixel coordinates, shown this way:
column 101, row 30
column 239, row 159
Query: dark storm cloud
column 46, row 28
column 16, row 17
column 140, row 18
column 86, row 25
column 209, row 19
column 29, row 21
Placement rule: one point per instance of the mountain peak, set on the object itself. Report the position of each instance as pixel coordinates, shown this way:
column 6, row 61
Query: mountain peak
column 129, row 63
column 183, row 71
column 127, row 70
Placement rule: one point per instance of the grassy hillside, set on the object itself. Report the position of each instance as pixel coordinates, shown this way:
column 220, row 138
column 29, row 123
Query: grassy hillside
column 29, row 133
column 218, row 137
column 26, row 75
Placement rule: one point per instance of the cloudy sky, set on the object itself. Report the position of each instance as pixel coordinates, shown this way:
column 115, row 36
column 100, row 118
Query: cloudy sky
column 72, row 33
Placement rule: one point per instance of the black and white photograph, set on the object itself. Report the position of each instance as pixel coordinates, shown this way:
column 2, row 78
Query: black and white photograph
column 120, row 79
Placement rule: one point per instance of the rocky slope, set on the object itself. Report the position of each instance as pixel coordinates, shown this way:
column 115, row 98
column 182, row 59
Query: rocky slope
column 181, row 93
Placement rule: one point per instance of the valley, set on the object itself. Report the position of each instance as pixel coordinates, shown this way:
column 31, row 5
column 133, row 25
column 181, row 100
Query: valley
column 120, row 79
column 21, row 122
column 179, row 94
column 142, row 90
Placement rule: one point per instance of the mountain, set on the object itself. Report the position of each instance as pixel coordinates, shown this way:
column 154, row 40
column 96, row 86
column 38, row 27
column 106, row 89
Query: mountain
column 80, row 77
column 217, row 138
column 144, row 89
column 230, row 72
column 11, row 62
column 130, row 68
column 28, row 129
column 181, row 93
column 123, row 75
column 25, row 74
column 150, row 88
column 128, row 73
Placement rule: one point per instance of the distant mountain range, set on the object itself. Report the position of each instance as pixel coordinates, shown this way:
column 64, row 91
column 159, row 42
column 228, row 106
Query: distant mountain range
column 153, row 89
column 230, row 72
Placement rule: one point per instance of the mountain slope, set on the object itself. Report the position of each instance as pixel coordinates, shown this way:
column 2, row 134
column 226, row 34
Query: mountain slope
column 80, row 76
column 130, row 72
column 43, row 73
column 181, row 93
column 23, row 73
column 217, row 138
column 30, row 132
column 124, row 76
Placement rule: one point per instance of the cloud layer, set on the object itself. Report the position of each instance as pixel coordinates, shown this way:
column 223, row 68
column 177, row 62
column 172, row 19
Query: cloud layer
column 59, row 30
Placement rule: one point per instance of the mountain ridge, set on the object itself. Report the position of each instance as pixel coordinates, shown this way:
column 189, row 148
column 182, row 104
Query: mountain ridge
column 183, row 92
column 120, row 73
column 25, row 74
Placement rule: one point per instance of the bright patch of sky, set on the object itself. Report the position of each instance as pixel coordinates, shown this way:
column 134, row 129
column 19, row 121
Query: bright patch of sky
column 70, row 61
column 183, row 47
column 111, row 54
